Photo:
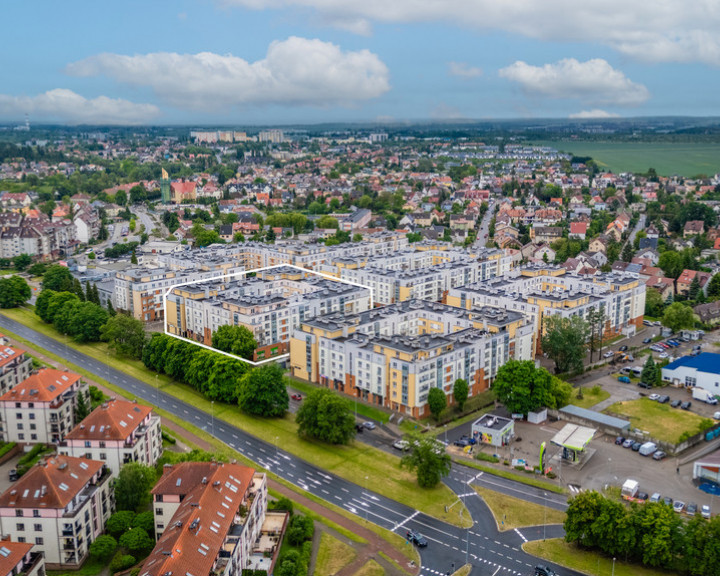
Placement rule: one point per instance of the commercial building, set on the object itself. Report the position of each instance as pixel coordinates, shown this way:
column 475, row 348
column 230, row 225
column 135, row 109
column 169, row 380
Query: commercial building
column 392, row 356
column 702, row 371
column 116, row 432
column 493, row 430
column 41, row 409
column 61, row 505
column 208, row 519
column 541, row 291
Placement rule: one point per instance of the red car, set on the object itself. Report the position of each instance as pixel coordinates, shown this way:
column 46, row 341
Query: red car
column 297, row 397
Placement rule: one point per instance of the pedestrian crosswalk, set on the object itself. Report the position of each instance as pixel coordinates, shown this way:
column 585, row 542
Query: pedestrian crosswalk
column 574, row 488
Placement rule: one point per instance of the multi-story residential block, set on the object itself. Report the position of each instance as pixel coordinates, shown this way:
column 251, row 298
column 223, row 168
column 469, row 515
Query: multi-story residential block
column 41, row 408
column 540, row 291
column 61, row 505
column 14, row 366
column 394, row 355
column 271, row 305
column 19, row 559
column 116, row 432
column 208, row 519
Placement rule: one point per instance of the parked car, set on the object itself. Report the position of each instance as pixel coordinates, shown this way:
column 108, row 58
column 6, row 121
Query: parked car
column 675, row 403
column 705, row 511
column 691, row 509
column 645, row 385
column 628, row 443
column 542, row 570
column 369, row 425
column 609, row 354
column 659, row 455
column 13, row 475
column 716, row 415
column 664, row 399
column 296, row 397
column 416, row 538
column 668, row 501
column 401, row 445
column 654, row 397
column 642, row 496
column 679, row 506
column 359, row 428
column 686, row 405
column 624, row 379
column 623, row 348
column 462, row 442
column 636, row 446
column 619, row 440
column 647, row 340
column 655, row 497
column 663, row 355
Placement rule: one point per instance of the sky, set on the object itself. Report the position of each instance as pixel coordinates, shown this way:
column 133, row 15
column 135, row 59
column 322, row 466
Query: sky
column 249, row 62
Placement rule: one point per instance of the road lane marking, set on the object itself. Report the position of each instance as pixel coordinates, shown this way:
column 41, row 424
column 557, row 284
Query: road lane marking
column 406, row 520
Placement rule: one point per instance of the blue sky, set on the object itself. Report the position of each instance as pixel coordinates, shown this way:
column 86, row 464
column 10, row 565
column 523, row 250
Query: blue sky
column 244, row 62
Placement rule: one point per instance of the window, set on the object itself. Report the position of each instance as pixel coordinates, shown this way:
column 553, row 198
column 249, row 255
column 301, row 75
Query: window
column 19, row 513
column 19, row 425
column 36, row 513
column 39, row 541
column 158, row 511
column 33, row 436
column 37, row 527
column 103, row 456
column 21, row 436
column 20, row 527
column 33, row 426
column 17, row 404
column 87, row 443
column 32, row 414
column 18, row 415
column 21, row 539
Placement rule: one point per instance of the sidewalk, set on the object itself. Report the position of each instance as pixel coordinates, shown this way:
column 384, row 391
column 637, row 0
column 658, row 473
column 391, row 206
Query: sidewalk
column 370, row 550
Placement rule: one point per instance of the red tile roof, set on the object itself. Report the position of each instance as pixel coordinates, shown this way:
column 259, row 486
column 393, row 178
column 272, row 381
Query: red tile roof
column 12, row 554
column 114, row 420
column 192, row 540
column 52, row 483
column 44, row 386
column 8, row 354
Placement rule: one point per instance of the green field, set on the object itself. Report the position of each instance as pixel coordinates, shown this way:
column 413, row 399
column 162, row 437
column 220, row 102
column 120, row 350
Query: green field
column 684, row 159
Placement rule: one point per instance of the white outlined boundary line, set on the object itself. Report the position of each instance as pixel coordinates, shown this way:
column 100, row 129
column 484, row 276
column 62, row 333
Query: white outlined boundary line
column 245, row 273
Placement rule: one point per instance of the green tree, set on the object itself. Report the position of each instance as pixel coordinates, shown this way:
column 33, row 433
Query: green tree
column 78, row 290
column 436, row 402
column 460, row 392
column 132, row 487
column 21, row 262
column 523, row 388
column 713, row 290
column 694, row 289
column 41, row 304
column 119, row 523
column 583, row 509
column 327, row 417
column 103, row 548
column 671, row 264
column 14, row 291
column 59, row 302
column 658, row 534
column 564, row 340
column 137, row 541
column 236, row 340
column 654, row 303
column 37, row 269
column 133, row 257
column 414, row 237
column 627, row 252
column 428, row 458
column 125, row 334
column 326, row 222
column 263, row 392
column 81, row 407
column 678, row 316
column 649, row 372
column 87, row 322
column 58, row 278
column 121, row 198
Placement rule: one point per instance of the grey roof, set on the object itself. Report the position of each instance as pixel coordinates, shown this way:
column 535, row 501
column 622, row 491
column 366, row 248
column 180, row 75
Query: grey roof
column 596, row 417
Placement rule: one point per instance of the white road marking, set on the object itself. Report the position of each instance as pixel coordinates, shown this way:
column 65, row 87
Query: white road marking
column 406, row 520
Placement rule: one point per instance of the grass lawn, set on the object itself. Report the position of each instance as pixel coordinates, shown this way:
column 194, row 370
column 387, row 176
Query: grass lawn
column 591, row 396
column 332, row 556
column 90, row 568
column 568, row 555
column 511, row 513
column 522, row 477
column 352, row 462
column 463, row 571
column 659, row 420
column 371, row 568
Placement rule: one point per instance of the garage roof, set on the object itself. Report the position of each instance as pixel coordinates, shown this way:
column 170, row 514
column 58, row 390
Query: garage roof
column 573, row 436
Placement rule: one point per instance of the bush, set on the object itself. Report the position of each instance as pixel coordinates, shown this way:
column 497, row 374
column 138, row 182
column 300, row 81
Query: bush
column 281, row 504
column 119, row 523
column 103, row 548
column 487, row 457
column 121, row 562
column 169, row 439
column 6, row 448
column 300, row 529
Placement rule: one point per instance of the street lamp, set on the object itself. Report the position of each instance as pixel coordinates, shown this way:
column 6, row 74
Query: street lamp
column 613, row 569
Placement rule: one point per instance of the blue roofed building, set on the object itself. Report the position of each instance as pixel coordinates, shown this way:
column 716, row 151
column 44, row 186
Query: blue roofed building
column 702, row 371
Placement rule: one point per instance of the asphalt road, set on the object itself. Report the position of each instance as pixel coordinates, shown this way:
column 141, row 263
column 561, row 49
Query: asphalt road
column 491, row 552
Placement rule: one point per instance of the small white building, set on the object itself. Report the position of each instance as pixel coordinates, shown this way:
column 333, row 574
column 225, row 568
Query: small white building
column 41, row 409
column 60, row 505
column 493, row 430
column 702, row 371
column 116, row 432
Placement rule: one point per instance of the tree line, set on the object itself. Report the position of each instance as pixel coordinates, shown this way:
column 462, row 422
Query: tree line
column 651, row 534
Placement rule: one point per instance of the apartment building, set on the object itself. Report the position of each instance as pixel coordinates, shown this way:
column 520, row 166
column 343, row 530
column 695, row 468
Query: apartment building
column 541, row 291
column 14, row 366
column 41, row 408
column 271, row 305
column 208, row 519
column 19, row 559
column 115, row 433
column 392, row 356
column 60, row 505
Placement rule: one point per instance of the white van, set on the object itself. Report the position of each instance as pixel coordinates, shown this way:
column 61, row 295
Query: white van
column 647, row 449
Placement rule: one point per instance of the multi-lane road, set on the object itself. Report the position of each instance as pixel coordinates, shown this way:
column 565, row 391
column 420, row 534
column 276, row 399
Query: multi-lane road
column 491, row 552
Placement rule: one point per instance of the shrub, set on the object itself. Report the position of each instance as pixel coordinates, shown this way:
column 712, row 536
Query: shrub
column 121, row 562
column 487, row 457
column 7, row 447
column 169, row 439
column 281, row 504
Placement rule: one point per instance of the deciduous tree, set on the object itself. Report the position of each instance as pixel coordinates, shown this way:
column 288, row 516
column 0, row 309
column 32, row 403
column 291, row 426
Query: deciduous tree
column 58, row 278
column 428, row 458
column 564, row 340
column 326, row 416
column 678, row 316
column 132, row 487
column 436, row 402
column 14, row 291
column 263, row 392
column 125, row 334
column 103, row 547
column 460, row 392
column 236, row 340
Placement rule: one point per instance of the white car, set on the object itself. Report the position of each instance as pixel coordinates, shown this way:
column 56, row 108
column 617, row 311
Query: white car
column 705, row 511
column 716, row 415
column 663, row 355
column 609, row 354
column 654, row 396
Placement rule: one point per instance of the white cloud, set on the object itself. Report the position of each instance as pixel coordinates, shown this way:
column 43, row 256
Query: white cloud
column 666, row 31
column 593, row 81
column 595, row 113
column 444, row 111
column 463, row 70
column 295, row 72
column 66, row 106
